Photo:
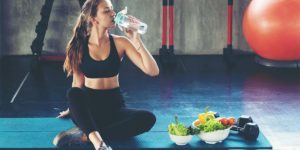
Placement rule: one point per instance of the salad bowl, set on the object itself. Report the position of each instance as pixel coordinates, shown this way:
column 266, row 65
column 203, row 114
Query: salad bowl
column 214, row 136
column 180, row 140
column 179, row 133
column 213, row 130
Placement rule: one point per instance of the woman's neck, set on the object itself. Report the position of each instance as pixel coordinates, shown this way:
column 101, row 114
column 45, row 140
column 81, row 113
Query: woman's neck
column 98, row 36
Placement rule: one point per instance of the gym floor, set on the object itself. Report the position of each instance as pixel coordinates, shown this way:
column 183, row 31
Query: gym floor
column 270, row 96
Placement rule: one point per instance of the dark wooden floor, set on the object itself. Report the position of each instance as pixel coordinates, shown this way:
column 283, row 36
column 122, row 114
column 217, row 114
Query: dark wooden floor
column 271, row 96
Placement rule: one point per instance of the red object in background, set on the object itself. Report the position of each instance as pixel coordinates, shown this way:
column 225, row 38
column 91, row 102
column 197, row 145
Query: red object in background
column 171, row 21
column 164, row 26
column 52, row 58
column 272, row 28
column 229, row 23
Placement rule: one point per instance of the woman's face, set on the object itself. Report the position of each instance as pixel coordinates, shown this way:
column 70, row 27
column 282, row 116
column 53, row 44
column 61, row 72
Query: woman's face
column 105, row 14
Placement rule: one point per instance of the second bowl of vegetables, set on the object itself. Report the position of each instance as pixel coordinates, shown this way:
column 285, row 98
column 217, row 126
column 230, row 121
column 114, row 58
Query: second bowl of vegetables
column 213, row 128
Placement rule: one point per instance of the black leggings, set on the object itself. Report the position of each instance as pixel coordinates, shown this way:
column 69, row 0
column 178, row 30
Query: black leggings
column 104, row 111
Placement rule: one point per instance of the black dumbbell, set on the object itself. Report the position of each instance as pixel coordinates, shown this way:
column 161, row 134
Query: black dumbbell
column 246, row 127
column 242, row 120
column 249, row 131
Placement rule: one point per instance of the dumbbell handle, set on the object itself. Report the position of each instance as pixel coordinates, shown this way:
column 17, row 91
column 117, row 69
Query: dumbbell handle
column 236, row 128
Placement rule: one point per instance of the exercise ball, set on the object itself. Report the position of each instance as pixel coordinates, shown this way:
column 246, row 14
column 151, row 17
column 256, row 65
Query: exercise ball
column 272, row 29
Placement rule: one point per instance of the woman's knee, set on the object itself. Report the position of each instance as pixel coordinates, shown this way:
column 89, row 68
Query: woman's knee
column 148, row 118
column 152, row 118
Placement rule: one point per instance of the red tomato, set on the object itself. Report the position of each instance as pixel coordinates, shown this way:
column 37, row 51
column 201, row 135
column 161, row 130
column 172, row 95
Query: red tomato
column 224, row 121
column 231, row 121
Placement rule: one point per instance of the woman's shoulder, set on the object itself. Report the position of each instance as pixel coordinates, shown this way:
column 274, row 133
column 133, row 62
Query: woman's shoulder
column 120, row 39
column 121, row 42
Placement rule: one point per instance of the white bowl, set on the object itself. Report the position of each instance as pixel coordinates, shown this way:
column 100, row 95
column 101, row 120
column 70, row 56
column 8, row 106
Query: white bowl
column 215, row 136
column 180, row 140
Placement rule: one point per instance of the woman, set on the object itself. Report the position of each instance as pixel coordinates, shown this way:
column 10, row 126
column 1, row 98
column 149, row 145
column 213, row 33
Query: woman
column 93, row 58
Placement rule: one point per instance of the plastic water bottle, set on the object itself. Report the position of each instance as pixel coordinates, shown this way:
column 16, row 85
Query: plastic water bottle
column 123, row 20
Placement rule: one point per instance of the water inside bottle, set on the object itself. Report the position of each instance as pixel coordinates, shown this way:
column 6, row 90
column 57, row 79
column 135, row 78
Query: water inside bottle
column 122, row 20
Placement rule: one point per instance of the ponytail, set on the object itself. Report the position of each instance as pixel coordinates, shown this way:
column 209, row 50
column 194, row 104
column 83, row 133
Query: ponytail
column 81, row 33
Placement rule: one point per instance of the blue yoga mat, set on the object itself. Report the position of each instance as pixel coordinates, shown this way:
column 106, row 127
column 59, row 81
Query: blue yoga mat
column 39, row 133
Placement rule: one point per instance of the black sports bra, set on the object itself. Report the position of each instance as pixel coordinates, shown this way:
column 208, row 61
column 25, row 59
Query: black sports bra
column 100, row 68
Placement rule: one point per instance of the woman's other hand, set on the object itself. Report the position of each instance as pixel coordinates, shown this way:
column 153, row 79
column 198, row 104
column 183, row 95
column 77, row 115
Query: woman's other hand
column 64, row 114
column 131, row 34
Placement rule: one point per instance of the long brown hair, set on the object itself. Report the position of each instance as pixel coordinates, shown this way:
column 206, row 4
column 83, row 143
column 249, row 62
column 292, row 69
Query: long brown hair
column 81, row 33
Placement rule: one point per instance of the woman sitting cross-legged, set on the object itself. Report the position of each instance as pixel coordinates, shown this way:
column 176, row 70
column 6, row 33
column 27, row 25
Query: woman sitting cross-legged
column 93, row 58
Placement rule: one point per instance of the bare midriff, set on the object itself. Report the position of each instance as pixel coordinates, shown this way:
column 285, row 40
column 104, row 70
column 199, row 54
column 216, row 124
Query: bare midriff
column 102, row 83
